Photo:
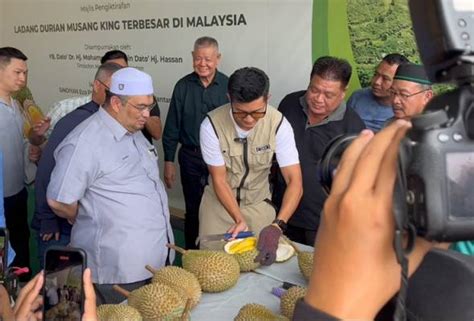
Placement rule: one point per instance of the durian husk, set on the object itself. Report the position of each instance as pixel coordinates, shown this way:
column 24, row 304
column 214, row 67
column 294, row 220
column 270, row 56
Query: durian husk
column 289, row 298
column 118, row 312
column 305, row 263
column 254, row 311
column 157, row 302
column 180, row 280
column 246, row 260
column 216, row 271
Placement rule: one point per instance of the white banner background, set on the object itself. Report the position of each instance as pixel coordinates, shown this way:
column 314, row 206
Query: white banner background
column 276, row 38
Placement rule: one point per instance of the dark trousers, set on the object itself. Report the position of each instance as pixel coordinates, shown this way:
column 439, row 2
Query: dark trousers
column 105, row 293
column 301, row 235
column 16, row 216
column 194, row 175
column 44, row 245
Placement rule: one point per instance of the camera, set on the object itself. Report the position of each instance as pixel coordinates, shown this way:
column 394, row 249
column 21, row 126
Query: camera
column 434, row 191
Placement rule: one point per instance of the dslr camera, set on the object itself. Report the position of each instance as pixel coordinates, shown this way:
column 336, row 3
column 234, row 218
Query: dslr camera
column 434, row 193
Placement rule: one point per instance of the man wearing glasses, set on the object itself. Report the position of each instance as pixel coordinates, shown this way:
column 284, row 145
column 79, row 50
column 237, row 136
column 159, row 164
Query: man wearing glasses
column 238, row 141
column 106, row 181
column 411, row 91
column 54, row 230
column 318, row 115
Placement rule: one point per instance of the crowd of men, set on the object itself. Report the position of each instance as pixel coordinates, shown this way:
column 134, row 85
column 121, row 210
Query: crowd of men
column 244, row 165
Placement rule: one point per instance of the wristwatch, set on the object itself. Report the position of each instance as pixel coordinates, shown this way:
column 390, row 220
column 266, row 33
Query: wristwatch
column 281, row 224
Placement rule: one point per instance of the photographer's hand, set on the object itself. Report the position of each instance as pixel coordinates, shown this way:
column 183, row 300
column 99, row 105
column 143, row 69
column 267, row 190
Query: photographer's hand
column 90, row 308
column 6, row 312
column 355, row 269
column 29, row 302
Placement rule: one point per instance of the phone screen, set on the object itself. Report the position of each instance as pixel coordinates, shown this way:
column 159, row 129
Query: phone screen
column 63, row 293
column 3, row 253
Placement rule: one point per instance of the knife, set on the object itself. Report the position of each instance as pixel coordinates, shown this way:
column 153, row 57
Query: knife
column 225, row 236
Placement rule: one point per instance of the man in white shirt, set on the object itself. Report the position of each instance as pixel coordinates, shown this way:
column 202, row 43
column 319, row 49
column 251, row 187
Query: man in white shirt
column 238, row 141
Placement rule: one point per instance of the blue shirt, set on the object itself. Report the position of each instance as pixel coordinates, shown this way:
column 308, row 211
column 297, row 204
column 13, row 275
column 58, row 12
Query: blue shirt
column 44, row 219
column 123, row 218
column 370, row 110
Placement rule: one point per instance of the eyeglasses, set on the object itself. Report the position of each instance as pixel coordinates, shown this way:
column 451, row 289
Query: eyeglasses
column 254, row 114
column 102, row 83
column 393, row 93
column 142, row 108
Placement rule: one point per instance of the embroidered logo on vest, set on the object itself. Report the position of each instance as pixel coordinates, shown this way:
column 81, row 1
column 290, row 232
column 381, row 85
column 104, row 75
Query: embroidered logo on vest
column 262, row 149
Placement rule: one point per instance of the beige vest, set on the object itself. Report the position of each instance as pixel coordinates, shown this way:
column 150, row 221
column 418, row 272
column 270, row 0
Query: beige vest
column 248, row 163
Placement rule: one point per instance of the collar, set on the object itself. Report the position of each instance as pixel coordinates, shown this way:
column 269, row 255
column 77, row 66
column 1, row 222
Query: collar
column 336, row 115
column 114, row 126
column 218, row 78
column 10, row 104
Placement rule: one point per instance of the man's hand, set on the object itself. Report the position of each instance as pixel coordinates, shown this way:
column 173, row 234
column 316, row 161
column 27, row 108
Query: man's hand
column 90, row 308
column 47, row 236
column 239, row 226
column 268, row 244
column 6, row 312
column 34, row 153
column 40, row 128
column 355, row 269
column 29, row 300
column 169, row 174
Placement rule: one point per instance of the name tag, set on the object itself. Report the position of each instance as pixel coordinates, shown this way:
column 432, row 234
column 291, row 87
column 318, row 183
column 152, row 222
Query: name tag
column 262, row 149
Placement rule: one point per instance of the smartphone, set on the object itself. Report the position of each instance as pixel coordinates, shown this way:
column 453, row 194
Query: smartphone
column 3, row 254
column 63, row 290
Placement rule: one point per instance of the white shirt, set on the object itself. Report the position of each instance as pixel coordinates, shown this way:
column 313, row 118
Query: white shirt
column 64, row 107
column 285, row 149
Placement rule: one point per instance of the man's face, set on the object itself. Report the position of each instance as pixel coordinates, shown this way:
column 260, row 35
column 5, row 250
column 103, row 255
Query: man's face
column 205, row 61
column 119, row 61
column 246, row 115
column 13, row 76
column 408, row 98
column 134, row 114
column 383, row 79
column 324, row 96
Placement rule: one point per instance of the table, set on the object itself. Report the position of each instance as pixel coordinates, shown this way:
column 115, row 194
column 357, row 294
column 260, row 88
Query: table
column 252, row 287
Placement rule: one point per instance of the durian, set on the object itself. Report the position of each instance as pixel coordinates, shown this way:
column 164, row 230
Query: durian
column 289, row 298
column 118, row 312
column 216, row 271
column 156, row 302
column 253, row 312
column 305, row 259
column 180, row 280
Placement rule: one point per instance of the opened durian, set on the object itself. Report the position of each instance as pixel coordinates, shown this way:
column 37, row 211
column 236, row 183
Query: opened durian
column 245, row 251
column 253, row 312
column 156, row 302
column 180, row 280
column 118, row 312
column 289, row 298
column 305, row 259
column 216, row 271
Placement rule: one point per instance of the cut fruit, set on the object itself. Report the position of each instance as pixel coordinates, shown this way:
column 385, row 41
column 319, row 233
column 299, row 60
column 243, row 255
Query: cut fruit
column 284, row 252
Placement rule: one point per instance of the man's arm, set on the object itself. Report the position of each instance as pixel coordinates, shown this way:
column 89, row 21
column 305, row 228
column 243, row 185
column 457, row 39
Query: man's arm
column 293, row 191
column 67, row 211
column 227, row 198
column 153, row 125
column 171, row 137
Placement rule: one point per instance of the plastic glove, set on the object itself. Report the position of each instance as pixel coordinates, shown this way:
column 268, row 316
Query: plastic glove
column 268, row 244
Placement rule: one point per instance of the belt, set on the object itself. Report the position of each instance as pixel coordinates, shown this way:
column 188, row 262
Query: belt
column 192, row 148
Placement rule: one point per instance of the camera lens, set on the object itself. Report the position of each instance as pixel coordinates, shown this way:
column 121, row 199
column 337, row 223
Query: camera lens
column 331, row 158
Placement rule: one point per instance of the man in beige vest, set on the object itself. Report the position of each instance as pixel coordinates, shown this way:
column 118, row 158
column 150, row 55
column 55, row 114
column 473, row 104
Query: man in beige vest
column 238, row 141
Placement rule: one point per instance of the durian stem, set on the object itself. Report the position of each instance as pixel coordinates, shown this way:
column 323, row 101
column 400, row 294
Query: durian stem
column 187, row 310
column 176, row 248
column 151, row 269
column 121, row 290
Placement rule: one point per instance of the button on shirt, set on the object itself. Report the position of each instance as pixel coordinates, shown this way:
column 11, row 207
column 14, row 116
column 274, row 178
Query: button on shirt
column 123, row 220
column 12, row 147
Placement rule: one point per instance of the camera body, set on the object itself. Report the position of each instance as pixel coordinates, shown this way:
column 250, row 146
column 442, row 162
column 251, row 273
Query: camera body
column 437, row 159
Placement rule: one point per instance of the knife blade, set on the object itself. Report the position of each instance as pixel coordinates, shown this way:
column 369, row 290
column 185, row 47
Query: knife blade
column 225, row 236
